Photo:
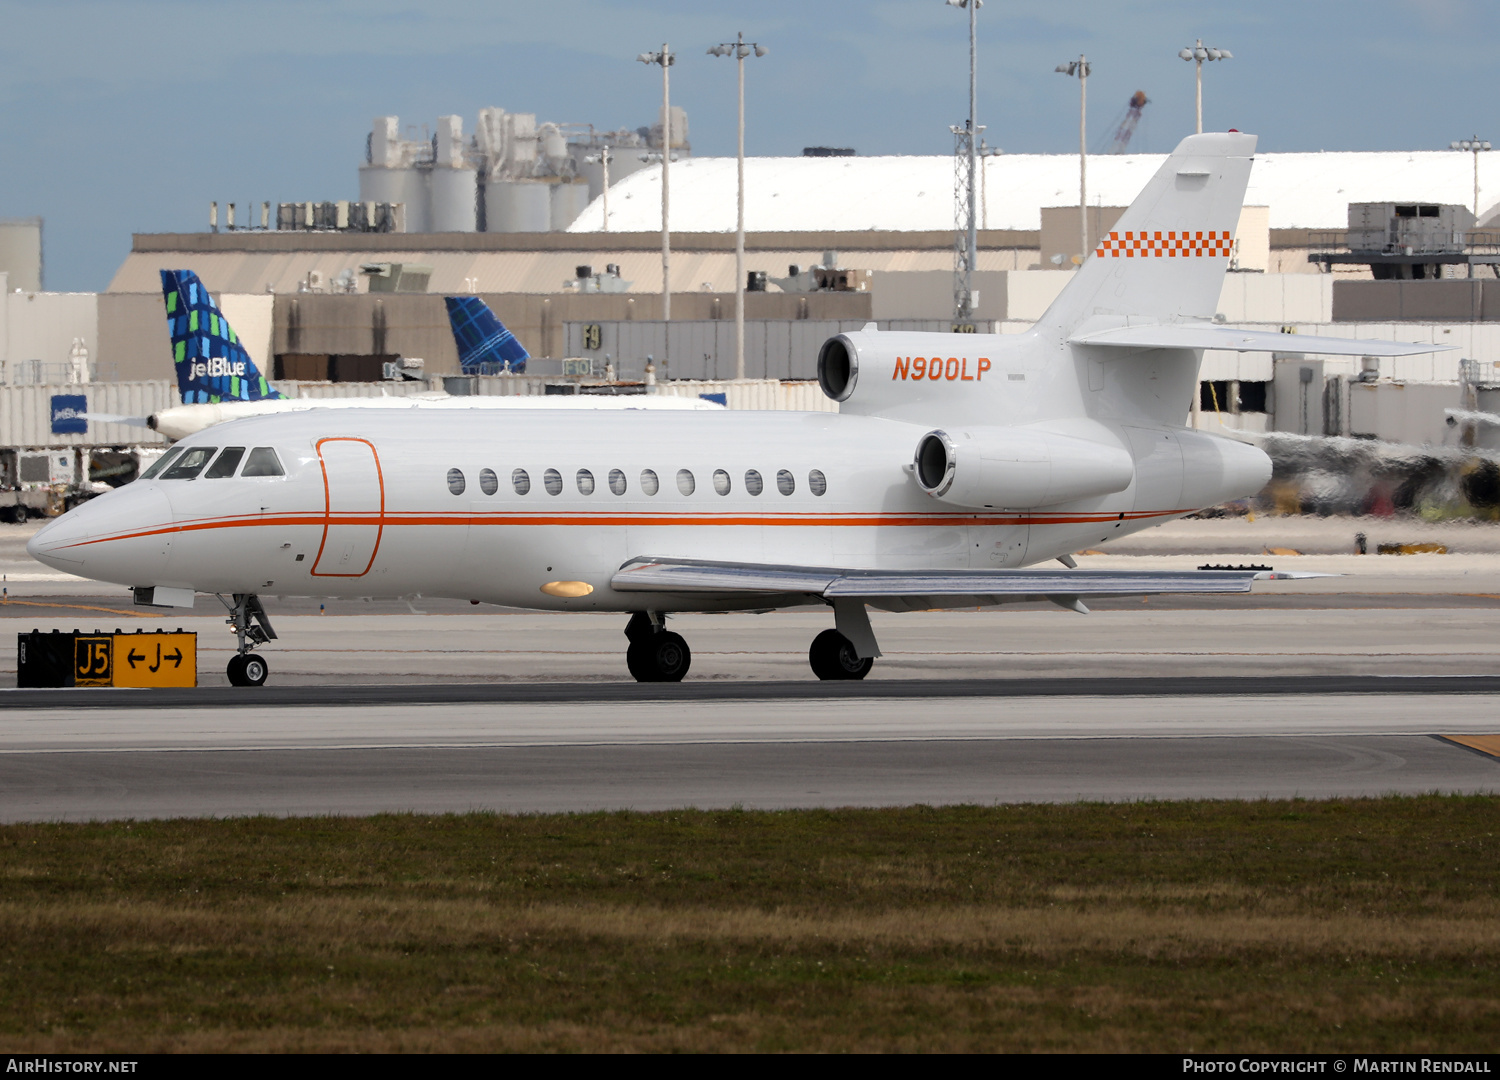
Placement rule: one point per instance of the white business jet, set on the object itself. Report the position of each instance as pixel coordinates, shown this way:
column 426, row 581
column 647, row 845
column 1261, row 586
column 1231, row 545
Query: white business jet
column 957, row 460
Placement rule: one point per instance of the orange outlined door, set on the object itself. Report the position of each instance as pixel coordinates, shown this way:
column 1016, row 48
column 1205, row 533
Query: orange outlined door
column 354, row 507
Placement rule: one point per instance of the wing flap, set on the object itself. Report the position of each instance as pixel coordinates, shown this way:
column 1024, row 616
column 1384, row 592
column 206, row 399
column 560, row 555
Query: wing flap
column 693, row 576
column 1193, row 336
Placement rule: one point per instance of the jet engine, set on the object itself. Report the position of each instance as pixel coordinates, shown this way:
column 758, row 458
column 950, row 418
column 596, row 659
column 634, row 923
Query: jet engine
column 1018, row 467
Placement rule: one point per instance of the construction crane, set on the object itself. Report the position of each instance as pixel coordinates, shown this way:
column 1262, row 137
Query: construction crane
column 1128, row 122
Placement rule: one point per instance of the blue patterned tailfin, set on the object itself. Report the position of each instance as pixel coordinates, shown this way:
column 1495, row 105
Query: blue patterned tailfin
column 211, row 363
column 485, row 346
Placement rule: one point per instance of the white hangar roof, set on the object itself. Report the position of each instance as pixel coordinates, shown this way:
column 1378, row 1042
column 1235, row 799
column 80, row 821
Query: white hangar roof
column 902, row 194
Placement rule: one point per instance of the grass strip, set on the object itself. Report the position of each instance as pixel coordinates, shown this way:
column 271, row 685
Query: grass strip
column 1369, row 925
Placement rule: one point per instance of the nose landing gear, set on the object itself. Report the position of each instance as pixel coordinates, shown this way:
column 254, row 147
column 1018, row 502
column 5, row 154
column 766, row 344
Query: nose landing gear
column 252, row 628
column 655, row 653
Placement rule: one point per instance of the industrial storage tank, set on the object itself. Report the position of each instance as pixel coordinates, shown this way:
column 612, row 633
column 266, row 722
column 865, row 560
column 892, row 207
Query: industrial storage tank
column 382, row 184
column 569, row 199
column 391, row 173
column 452, row 184
column 518, row 205
column 452, row 192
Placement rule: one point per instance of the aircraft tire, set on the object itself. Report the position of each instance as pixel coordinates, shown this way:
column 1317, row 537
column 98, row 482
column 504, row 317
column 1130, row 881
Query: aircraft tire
column 663, row 657
column 247, row 669
column 832, row 656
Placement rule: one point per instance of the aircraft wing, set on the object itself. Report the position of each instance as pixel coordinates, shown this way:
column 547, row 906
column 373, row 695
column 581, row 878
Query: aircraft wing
column 647, row 574
column 1208, row 336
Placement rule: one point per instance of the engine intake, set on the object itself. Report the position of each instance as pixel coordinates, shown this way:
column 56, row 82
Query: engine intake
column 838, row 367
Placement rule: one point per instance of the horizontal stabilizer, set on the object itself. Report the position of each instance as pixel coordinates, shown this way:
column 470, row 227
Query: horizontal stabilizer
column 691, row 576
column 1206, row 336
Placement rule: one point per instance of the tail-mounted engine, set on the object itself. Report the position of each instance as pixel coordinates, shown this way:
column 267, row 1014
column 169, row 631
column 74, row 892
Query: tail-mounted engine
column 1018, row 468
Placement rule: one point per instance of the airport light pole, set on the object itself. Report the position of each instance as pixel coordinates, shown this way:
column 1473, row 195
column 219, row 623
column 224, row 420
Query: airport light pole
column 968, row 246
column 1198, row 54
column 666, row 59
column 1475, row 146
column 1080, row 67
column 739, row 48
column 603, row 158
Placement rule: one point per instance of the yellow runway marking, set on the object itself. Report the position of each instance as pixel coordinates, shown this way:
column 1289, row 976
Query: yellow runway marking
column 1485, row 744
column 69, row 607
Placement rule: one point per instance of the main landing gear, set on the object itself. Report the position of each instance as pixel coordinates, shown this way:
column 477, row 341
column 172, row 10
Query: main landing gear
column 833, row 656
column 848, row 652
column 252, row 628
column 658, row 655
column 655, row 653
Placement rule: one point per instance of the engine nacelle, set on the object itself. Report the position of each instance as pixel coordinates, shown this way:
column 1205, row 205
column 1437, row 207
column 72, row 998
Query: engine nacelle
column 881, row 372
column 1018, row 468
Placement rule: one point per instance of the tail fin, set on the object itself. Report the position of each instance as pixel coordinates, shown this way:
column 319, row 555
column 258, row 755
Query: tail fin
column 211, row 363
column 1164, row 260
column 485, row 346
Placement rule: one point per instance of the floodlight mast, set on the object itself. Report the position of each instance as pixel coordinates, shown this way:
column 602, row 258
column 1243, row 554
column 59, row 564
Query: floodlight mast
column 1081, row 68
column 1199, row 53
column 966, row 243
column 739, row 48
column 603, row 158
column 1475, row 146
column 666, row 59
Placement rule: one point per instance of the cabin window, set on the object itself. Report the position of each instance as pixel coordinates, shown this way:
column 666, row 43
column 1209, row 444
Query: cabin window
column 649, row 483
column 456, row 481
column 685, row 482
column 162, row 462
column 585, row 482
column 489, row 483
column 225, row 464
column 190, row 464
column 552, row 481
column 817, row 483
column 721, row 481
column 263, row 462
column 753, row 482
column 521, row 481
column 785, row 482
column 617, row 481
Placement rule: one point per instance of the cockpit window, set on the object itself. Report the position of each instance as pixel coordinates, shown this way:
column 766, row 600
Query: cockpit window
column 190, row 464
column 263, row 462
column 162, row 462
column 225, row 464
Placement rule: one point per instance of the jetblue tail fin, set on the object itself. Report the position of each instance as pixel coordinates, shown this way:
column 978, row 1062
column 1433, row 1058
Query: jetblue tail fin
column 1164, row 260
column 211, row 363
column 485, row 346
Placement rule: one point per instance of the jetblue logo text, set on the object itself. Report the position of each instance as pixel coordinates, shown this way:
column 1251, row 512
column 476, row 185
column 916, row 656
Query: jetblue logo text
column 953, row 369
column 216, row 365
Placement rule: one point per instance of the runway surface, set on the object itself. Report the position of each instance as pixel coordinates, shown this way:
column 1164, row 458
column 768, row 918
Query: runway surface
column 558, row 750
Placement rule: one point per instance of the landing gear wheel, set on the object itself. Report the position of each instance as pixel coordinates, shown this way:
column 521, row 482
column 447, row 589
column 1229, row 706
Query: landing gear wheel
column 663, row 657
column 16, row 515
column 247, row 669
column 832, row 656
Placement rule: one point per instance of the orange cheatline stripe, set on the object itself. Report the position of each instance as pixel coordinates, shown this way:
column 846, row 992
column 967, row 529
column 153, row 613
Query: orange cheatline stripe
column 533, row 518
column 1485, row 744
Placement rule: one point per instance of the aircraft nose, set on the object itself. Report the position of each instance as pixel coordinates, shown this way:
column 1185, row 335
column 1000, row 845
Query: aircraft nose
column 122, row 536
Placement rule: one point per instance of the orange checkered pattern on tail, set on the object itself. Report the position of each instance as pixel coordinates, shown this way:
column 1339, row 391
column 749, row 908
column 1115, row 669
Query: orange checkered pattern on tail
column 1174, row 245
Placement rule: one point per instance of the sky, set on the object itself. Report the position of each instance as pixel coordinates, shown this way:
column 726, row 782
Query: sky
column 122, row 117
